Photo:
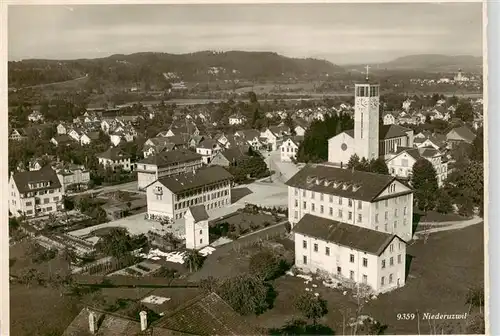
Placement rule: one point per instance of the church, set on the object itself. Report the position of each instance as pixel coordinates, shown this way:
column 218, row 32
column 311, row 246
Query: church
column 368, row 139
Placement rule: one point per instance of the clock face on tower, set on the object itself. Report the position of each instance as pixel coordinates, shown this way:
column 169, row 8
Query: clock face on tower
column 374, row 104
column 363, row 103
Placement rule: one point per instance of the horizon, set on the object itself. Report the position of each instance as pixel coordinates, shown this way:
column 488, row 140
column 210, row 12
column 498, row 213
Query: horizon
column 343, row 34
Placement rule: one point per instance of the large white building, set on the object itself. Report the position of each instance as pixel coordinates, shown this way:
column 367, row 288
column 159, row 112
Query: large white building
column 166, row 164
column 365, row 256
column 35, row 193
column 171, row 196
column 374, row 201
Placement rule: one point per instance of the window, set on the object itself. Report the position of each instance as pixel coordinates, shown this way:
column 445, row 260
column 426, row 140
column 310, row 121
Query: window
column 360, row 204
column 339, row 270
column 385, row 227
column 201, row 241
column 395, row 224
column 386, row 203
column 296, row 192
column 296, row 214
column 351, row 258
column 303, row 193
column 331, row 199
column 296, row 203
column 383, row 263
column 46, row 200
column 349, row 202
column 315, row 247
column 365, row 262
column 386, row 215
column 201, row 231
column 404, row 210
column 360, row 217
column 365, row 278
column 351, row 275
column 159, row 197
column 331, row 211
column 304, row 205
column 312, row 207
column 340, row 213
column 321, row 209
column 327, row 251
column 340, row 200
column 349, row 215
column 391, row 261
column 399, row 258
column 395, row 212
column 312, row 194
column 376, row 205
column 376, row 218
column 304, row 244
column 304, row 260
column 28, row 203
column 321, row 197
column 382, row 281
column 391, row 247
column 49, row 208
column 404, row 221
column 390, row 278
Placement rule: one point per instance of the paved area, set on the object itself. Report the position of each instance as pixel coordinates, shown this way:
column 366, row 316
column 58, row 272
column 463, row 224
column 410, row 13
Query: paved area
column 284, row 170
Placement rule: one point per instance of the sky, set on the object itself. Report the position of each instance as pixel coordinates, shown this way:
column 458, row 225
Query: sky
column 340, row 33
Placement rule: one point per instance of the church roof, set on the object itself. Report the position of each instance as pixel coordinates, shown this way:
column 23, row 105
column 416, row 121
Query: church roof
column 347, row 183
column 355, row 237
column 392, row 131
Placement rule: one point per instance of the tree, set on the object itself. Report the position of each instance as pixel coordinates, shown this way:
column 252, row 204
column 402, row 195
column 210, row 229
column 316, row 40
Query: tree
column 117, row 243
column 444, row 203
column 246, row 294
column 466, row 187
column 69, row 256
column 266, row 265
column 379, row 166
column 312, row 307
column 424, row 181
column 290, row 123
column 475, row 324
column 478, row 146
column 354, row 162
column 464, row 111
column 194, row 260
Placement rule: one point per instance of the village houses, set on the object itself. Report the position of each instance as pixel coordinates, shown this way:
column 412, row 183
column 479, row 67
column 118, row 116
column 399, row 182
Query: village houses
column 115, row 158
column 289, row 148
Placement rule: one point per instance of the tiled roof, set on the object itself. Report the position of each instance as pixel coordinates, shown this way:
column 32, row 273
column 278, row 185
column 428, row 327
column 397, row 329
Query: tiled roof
column 392, row 131
column 164, row 159
column 347, row 183
column 201, row 177
column 208, row 144
column 208, row 316
column 352, row 236
column 114, row 154
column 199, row 212
column 350, row 133
column 235, row 153
column 45, row 174
column 248, row 134
column 465, row 133
column 63, row 138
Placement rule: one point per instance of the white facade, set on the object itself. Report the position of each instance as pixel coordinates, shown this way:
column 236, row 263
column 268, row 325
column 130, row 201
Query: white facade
column 299, row 130
column 386, row 213
column 401, row 165
column 236, row 120
column 389, row 119
column 340, row 148
column 288, row 150
column 123, row 163
column 272, row 139
column 197, row 233
column 73, row 177
column 147, row 173
column 381, row 273
column 366, row 121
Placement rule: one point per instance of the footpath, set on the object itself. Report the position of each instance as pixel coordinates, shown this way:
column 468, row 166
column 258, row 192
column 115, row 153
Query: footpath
column 447, row 226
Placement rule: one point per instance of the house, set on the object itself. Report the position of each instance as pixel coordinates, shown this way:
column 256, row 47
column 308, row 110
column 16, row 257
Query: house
column 38, row 163
column 75, row 134
column 88, row 137
column 236, row 119
column 289, row 148
column 300, row 126
column 196, row 227
column 230, row 157
column 401, row 163
column 251, row 137
column 374, row 201
column 61, row 140
column 208, row 148
column 156, row 145
column 407, row 104
column 368, row 257
column 195, row 140
column 62, row 128
column 35, row 193
column 274, row 136
column 18, row 134
column 388, row 118
column 460, row 135
column 408, row 121
column 72, row 177
column 165, row 164
column 171, row 196
column 188, row 129
column 202, row 315
column 108, row 124
column 35, row 116
column 115, row 158
column 116, row 138
column 420, row 118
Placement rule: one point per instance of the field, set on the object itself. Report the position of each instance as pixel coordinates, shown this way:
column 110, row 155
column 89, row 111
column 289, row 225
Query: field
column 440, row 274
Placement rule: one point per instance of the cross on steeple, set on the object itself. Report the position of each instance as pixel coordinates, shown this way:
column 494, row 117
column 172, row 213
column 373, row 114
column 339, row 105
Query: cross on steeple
column 367, row 69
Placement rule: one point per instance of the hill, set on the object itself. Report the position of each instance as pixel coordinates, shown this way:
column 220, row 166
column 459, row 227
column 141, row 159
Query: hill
column 150, row 67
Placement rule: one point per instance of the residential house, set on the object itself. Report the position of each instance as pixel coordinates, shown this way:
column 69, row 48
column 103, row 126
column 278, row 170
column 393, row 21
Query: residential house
column 61, row 140
column 166, row 164
column 75, row 134
column 349, row 252
column 188, row 129
column 434, row 140
column 401, row 163
column 88, row 137
column 62, row 128
column 115, row 158
column 208, row 148
column 289, row 148
column 18, row 134
column 251, row 137
column 374, row 201
column 195, row 140
column 171, row 196
column 408, row 121
column 388, row 118
column 236, row 119
column 196, row 227
column 40, row 162
column 35, row 193
column 108, row 125
column 300, row 126
column 35, row 116
column 156, row 145
column 460, row 135
column 230, row 157
column 274, row 136
column 72, row 177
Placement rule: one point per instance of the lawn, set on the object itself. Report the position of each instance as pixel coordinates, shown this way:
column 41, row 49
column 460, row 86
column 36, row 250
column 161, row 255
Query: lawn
column 433, row 216
column 441, row 272
column 248, row 222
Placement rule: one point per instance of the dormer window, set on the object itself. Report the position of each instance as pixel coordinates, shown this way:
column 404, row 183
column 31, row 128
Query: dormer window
column 336, row 184
column 345, row 186
column 327, row 183
column 319, row 181
column 355, row 187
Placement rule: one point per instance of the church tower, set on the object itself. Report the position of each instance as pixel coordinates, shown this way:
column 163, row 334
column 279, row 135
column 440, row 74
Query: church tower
column 366, row 119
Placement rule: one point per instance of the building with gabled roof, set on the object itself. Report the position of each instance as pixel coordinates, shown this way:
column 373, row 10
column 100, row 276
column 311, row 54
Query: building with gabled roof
column 290, row 147
column 115, row 158
column 196, row 227
column 207, row 148
column 35, row 193
column 460, row 135
column 165, row 164
column 171, row 196
column 230, row 156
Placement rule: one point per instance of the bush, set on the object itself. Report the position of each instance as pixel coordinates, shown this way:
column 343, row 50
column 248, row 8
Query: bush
column 246, row 294
column 164, row 272
column 267, row 265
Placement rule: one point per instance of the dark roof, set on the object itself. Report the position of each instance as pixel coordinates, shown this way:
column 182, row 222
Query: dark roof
column 199, row 212
column 201, row 177
column 350, row 133
column 93, row 135
column 208, row 144
column 392, row 131
column 465, row 133
column 179, row 139
column 171, row 157
column 352, row 236
column 370, row 185
column 208, row 316
column 114, row 154
column 413, row 152
column 249, row 133
column 235, row 153
column 62, row 138
column 45, row 174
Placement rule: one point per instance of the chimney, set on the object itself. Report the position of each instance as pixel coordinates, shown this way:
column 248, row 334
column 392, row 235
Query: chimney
column 144, row 320
column 92, row 322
